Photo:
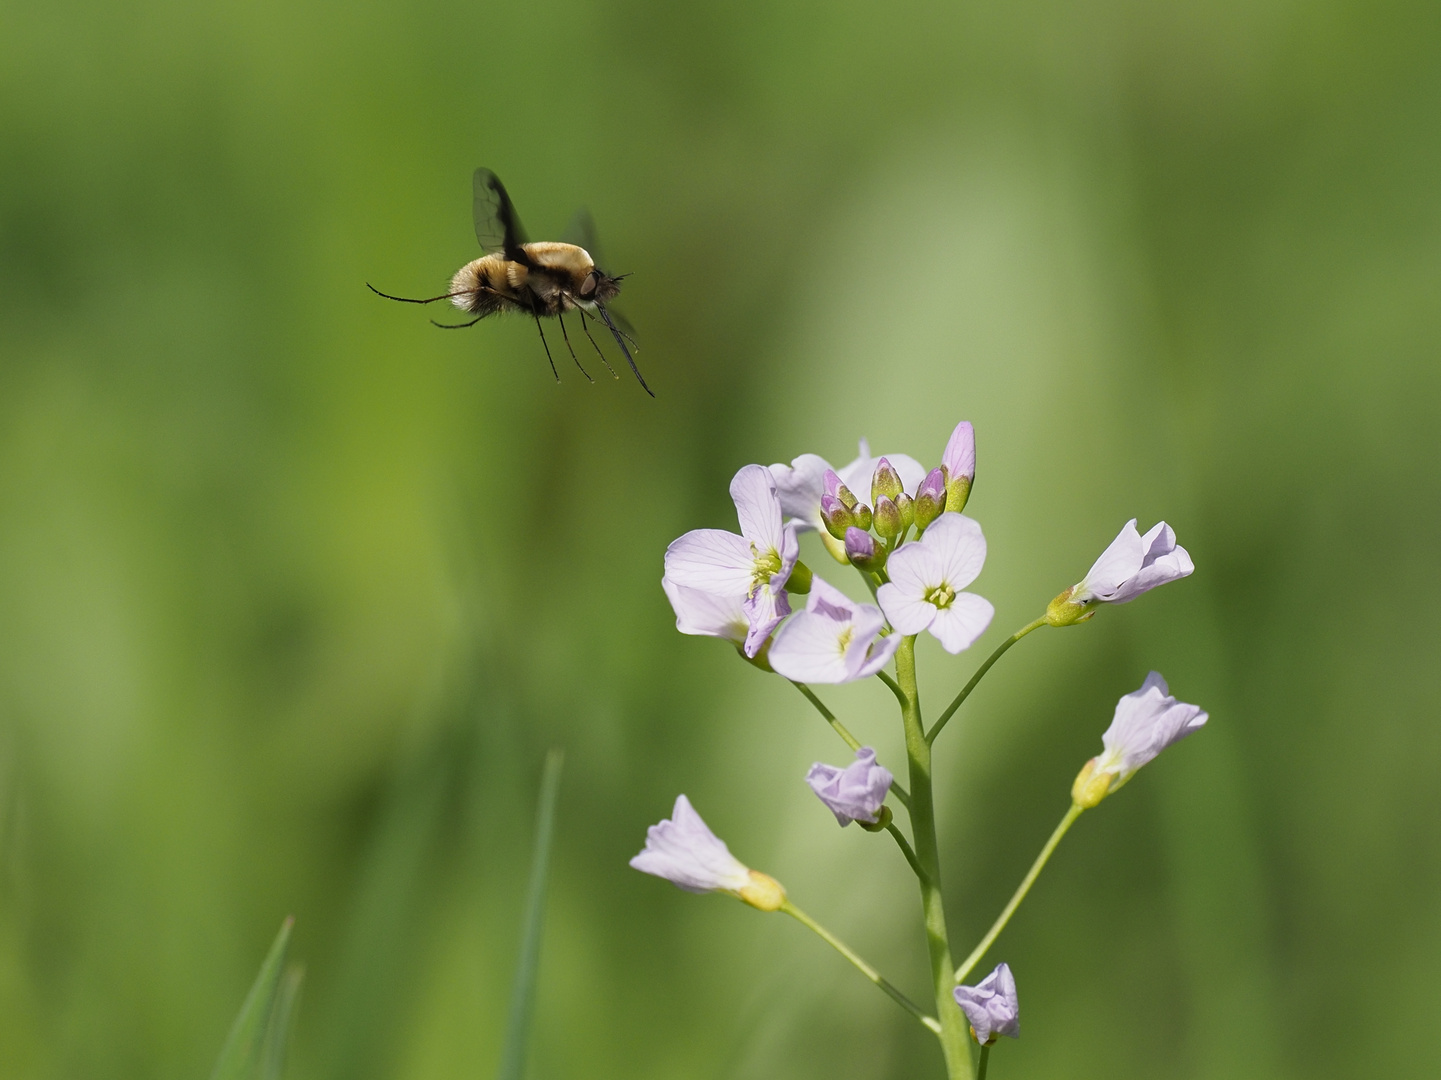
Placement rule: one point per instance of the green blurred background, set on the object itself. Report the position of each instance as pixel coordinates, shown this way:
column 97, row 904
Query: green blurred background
column 295, row 591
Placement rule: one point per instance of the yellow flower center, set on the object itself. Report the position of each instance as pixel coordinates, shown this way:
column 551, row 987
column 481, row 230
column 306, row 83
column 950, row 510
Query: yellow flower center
column 941, row 596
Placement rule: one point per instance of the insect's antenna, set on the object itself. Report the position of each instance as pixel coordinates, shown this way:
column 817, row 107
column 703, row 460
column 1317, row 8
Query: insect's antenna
column 620, row 340
column 536, row 317
column 586, row 327
column 408, row 300
column 455, row 326
column 565, row 335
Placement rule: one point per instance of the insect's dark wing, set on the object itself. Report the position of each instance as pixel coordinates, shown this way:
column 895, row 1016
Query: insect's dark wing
column 496, row 225
column 581, row 233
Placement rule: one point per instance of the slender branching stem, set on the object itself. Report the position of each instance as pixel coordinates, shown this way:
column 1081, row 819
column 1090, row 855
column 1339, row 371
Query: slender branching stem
column 906, row 850
column 864, row 968
column 953, row 1035
column 902, row 796
column 1036, row 867
column 895, row 687
column 985, row 1060
column 980, row 674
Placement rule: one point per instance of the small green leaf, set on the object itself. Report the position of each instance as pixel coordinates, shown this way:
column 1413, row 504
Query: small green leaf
column 244, row 1051
column 522, row 991
column 277, row 1032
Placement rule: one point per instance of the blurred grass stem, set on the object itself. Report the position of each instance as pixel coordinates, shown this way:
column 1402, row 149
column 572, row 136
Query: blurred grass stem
column 1030, row 879
column 954, row 1039
column 864, row 968
column 980, row 674
column 851, row 741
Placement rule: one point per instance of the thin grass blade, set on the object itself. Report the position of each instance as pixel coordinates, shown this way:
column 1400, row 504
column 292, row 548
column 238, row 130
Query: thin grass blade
column 242, row 1055
column 522, row 993
column 282, row 1014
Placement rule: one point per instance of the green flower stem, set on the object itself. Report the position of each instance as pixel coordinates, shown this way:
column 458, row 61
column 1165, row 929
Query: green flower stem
column 864, row 968
column 985, row 1060
column 895, row 687
column 899, row 792
column 1036, row 867
column 906, row 850
column 980, row 674
column 954, row 1037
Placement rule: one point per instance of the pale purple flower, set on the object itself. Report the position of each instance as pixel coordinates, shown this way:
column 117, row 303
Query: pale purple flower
column 1146, row 722
column 991, row 1005
column 1134, row 564
column 855, row 793
column 686, row 853
column 834, row 640
column 801, row 484
column 707, row 614
column 927, row 577
column 753, row 566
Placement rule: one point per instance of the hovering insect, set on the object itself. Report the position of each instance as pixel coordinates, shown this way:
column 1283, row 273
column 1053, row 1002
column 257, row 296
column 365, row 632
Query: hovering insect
column 541, row 279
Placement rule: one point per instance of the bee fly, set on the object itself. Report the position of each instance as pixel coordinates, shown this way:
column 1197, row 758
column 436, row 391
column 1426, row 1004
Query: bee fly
column 541, row 279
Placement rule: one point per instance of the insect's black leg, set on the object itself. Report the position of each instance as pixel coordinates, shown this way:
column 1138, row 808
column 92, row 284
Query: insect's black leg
column 408, row 300
column 621, row 342
column 536, row 317
column 586, row 327
column 455, row 326
column 561, row 316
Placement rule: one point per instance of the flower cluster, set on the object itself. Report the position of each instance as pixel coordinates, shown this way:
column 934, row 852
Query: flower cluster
column 902, row 529
column 738, row 586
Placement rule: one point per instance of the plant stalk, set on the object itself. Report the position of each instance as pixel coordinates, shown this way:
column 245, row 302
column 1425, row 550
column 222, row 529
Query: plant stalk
column 981, row 673
column 953, row 1035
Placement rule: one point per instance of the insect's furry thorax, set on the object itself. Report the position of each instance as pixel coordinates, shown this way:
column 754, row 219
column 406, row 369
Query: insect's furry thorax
column 552, row 278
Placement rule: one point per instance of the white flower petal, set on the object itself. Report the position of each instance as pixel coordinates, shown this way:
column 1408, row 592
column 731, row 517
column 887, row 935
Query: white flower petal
column 707, row 614
column 758, row 507
column 879, row 655
column 808, row 649
column 685, row 852
column 799, row 487
column 713, row 560
column 915, row 569
column 957, row 625
column 1114, row 568
column 907, row 613
column 960, row 547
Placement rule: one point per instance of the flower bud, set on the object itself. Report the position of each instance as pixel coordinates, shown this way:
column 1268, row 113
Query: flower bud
column 863, row 515
column 886, row 481
column 930, row 498
column 888, row 521
column 1090, row 787
column 838, row 490
column 1063, row 611
column 862, row 550
column 836, row 515
column 763, row 892
column 907, row 506
column 959, row 461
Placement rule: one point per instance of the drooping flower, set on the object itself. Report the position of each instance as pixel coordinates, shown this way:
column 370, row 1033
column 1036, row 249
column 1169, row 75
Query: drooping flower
column 834, row 640
column 959, row 461
column 1133, row 564
column 927, row 577
column 753, row 566
column 684, row 851
column 802, row 483
column 1146, row 722
column 855, row 793
column 991, row 1006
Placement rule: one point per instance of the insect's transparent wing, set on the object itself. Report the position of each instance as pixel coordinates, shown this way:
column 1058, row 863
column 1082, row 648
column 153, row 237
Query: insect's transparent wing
column 623, row 325
column 581, row 233
column 496, row 225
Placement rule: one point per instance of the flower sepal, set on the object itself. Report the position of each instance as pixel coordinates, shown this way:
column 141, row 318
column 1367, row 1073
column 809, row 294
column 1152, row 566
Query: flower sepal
column 883, row 819
column 1090, row 786
column 1064, row 611
column 763, row 892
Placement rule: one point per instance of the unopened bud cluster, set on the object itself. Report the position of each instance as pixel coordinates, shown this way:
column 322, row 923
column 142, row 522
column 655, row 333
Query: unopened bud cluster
column 893, row 512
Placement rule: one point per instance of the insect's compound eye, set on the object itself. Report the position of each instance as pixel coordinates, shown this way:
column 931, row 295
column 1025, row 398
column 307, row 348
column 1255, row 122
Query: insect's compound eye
column 587, row 287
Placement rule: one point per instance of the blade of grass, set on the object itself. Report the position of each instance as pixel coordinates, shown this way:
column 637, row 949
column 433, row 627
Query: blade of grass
column 277, row 1033
column 522, row 991
column 240, row 1058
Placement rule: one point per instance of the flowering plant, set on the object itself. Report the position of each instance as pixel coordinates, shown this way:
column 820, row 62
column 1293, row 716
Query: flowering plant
column 917, row 554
